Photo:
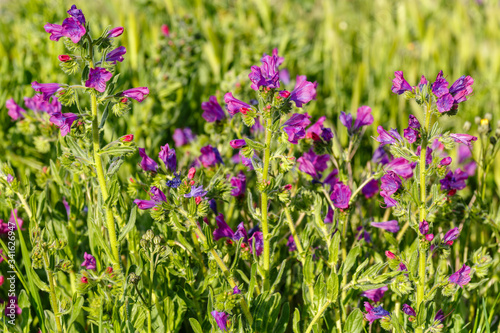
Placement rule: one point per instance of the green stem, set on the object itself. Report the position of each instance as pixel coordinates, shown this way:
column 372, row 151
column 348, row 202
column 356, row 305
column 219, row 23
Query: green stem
column 318, row 316
column 294, row 234
column 53, row 298
column 353, row 196
column 264, row 203
column 151, row 281
column 422, row 214
column 222, row 266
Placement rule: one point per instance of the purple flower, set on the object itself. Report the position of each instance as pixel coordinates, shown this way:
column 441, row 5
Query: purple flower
column 284, row 75
column 451, row 235
column 196, row 192
column 55, row 31
column 213, row 205
column 340, row 196
column 463, row 153
column 408, row 310
column 380, row 156
column 423, row 227
column 145, row 204
column 67, row 207
column 327, row 134
column 370, row 189
column 410, row 134
column 241, row 232
column 399, row 84
column 212, row 111
column 402, row 268
column 267, row 75
column 461, row 277
column 89, row 262
column 454, row 181
column 236, row 290
column 15, row 111
column 38, row 104
column 303, row 92
column 470, row 168
column 147, row 163
column 239, row 184
column 445, row 161
column 374, row 313
column 466, row 139
column 401, row 167
column 313, row 164
column 295, row 127
column 10, row 178
column 235, row 105
column 346, row 120
column 257, row 242
column 116, row 55
column 12, row 306
column 440, row 86
column 115, row 32
column 329, row 216
column 385, row 137
column 63, row 121
column 413, row 122
column 157, row 195
column 439, row 316
column 97, row 79
column 428, row 154
column 175, row 182
column 221, row 319
column 210, row 156
column 139, row 94
column 47, row 89
column 461, row 88
column 275, row 53
column 364, row 117
column 183, row 136
column 72, row 29
column 223, row 230
column 363, row 234
column 391, row 226
column 375, row 294
column 389, row 202
column 315, row 130
column 291, row 244
column 444, row 103
column 238, row 143
column 167, row 155
column 77, row 14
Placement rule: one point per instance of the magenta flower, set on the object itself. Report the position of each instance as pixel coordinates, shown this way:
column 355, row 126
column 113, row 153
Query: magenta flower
column 239, row 184
column 196, row 192
column 445, row 161
column 346, row 120
column 303, row 92
column 13, row 220
column 401, row 167
column 139, row 94
column 375, row 295
column 77, row 14
column 89, row 262
column 15, row 111
column 370, row 189
column 38, row 104
column 408, row 310
column 221, row 319
column 291, row 244
column 313, row 164
column 461, row 88
column 267, row 75
column 332, row 179
column 375, row 313
column 212, row 111
column 257, row 242
column 315, row 130
column 440, row 86
column 165, row 30
column 64, row 121
column 223, row 230
column 236, row 290
column 116, row 55
column 386, row 138
column 210, row 156
column 295, row 127
column 454, row 181
column 363, row 234
column 423, row 227
column 340, row 196
column 451, row 235
column 145, row 204
column 399, row 84
column 167, row 155
column 183, row 136
column 115, row 32
column 47, row 89
column 235, row 105
column 147, row 163
column 444, row 103
column 439, row 316
column 466, row 139
column 73, row 29
column 391, row 226
column 55, row 31
column 380, row 156
column 238, row 143
column 410, row 134
column 364, row 117
column 97, row 79
column 461, row 277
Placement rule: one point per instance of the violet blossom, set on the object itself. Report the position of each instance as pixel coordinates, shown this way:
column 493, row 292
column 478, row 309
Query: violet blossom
column 168, row 156
column 139, row 94
column 116, row 55
column 238, row 143
column 15, row 111
column 147, row 163
column 401, row 167
column 115, row 32
column 183, row 136
column 291, row 244
column 97, row 79
column 461, row 277
column 375, row 295
column 303, row 92
column 451, row 235
column 89, row 262
column 399, row 84
column 375, row 313
column 313, row 164
column 340, row 196
column 235, row 105
column 239, row 184
column 267, row 75
column 364, row 117
column 466, row 139
column 64, row 121
column 210, row 156
column 212, row 111
column 391, row 226
column 295, row 127
column 408, row 310
column 221, row 319
column 454, row 181
column 196, row 192
column 47, row 89
column 370, row 189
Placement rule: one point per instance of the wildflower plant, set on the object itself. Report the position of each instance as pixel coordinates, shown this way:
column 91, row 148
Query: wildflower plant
column 264, row 222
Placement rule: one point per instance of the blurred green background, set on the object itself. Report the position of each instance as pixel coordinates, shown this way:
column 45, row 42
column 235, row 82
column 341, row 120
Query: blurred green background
column 351, row 48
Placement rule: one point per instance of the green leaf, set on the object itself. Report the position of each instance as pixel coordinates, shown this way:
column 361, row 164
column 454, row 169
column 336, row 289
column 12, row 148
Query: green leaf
column 332, row 287
column 195, row 325
column 354, row 323
column 75, row 311
column 296, row 321
column 333, row 250
column 282, row 324
column 76, row 150
column 351, row 259
column 104, row 116
column 130, row 224
column 390, row 238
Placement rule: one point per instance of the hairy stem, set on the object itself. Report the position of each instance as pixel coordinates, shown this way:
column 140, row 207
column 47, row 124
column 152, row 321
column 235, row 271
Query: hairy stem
column 294, row 234
column 318, row 316
column 264, row 203
column 53, row 298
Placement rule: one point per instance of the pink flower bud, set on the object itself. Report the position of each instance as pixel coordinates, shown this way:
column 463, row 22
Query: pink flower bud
column 287, row 187
column 64, row 58
column 124, row 100
column 115, row 32
column 191, row 173
column 390, row 255
column 2, row 279
column 109, row 270
column 285, row 93
column 84, row 279
column 430, row 237
column 165, row 30
column 197, row 200
column 191, row 182
column 127, row 138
